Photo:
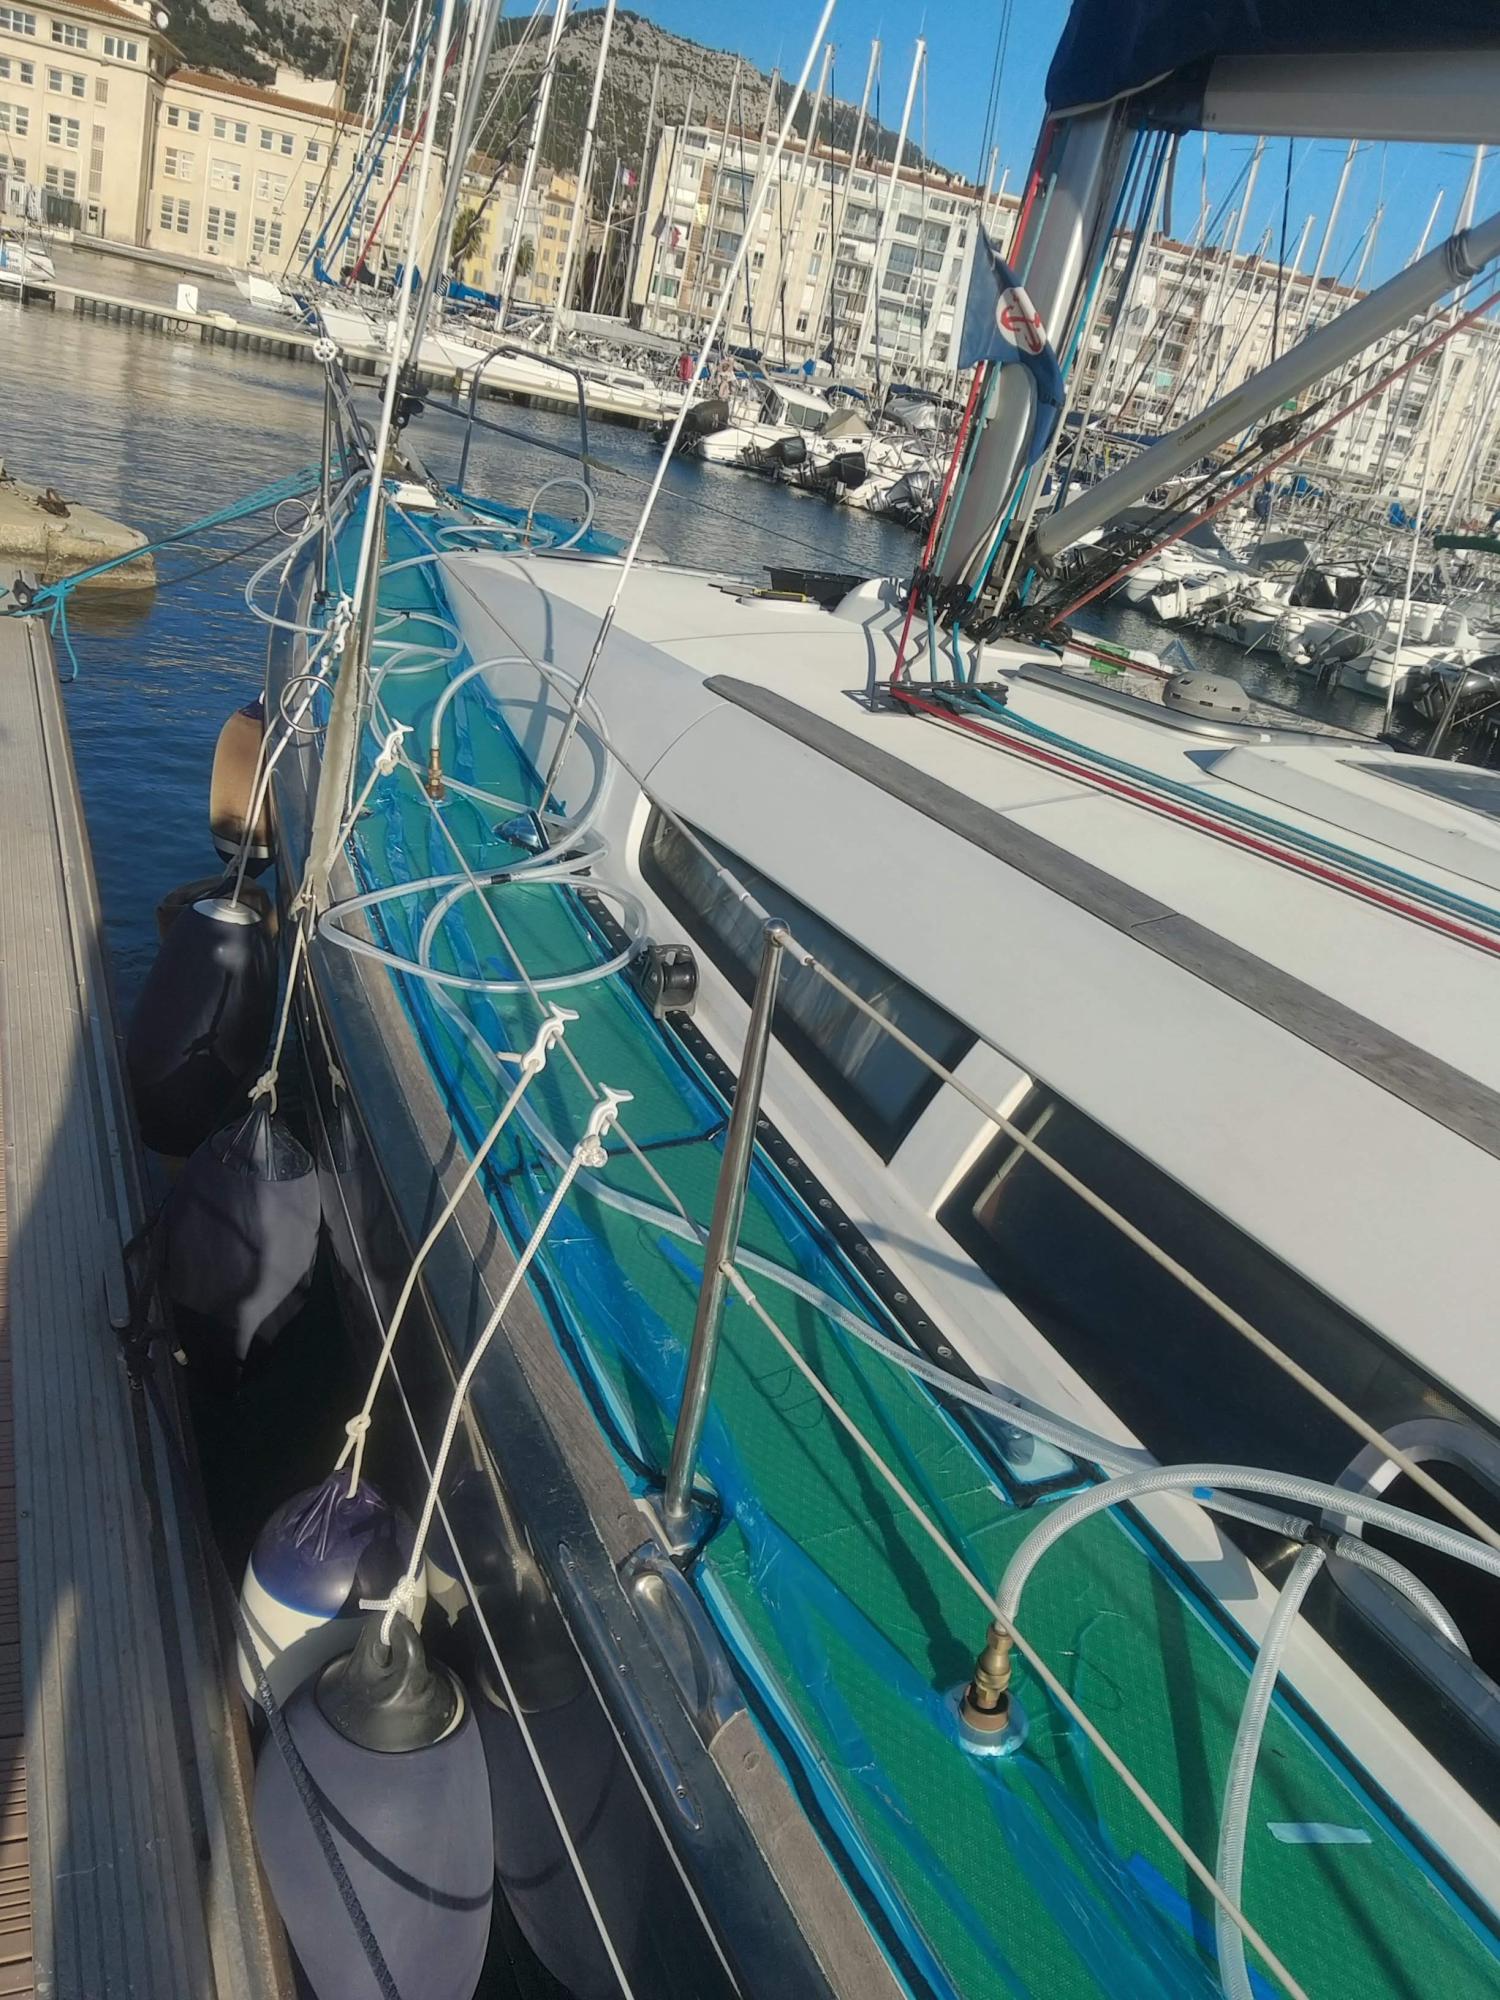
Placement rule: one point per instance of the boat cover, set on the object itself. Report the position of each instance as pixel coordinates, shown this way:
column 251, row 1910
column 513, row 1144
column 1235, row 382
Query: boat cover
column 1114, row 48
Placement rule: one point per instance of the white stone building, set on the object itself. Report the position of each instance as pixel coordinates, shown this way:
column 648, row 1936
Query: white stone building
column 80, row 86
column 245, row 174
column 103, row 127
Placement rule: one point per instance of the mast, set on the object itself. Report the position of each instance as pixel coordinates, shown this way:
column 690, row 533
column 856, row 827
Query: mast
column 483, row 21
column 669, row 182
column 633, row 249
column 1138, row 257
column 1326, row 238
column 1345, row 441
column 1395, row 404
column 789, row 234
column 871, row 314
column 1078, row 170
column 1328, row 347
column 528, row 170
column 609, row 219
column 375, row 81
column 585, row 173
column 836, row 230
column 1482, row 430
column 711, row 227
column 1215, row 316
column 317, row 215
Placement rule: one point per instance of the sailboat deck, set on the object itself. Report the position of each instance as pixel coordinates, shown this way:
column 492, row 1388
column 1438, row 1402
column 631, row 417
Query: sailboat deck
column 1038, row 1874
column 1157, row 1042
column 125, row 1860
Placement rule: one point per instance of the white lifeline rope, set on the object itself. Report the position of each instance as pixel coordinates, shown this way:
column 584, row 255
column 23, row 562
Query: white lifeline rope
column 532, row 1064
column 589, row 1152
column 403, row 1596
column 1028, row 1652
column 1334, row 1403
column 507, row 1686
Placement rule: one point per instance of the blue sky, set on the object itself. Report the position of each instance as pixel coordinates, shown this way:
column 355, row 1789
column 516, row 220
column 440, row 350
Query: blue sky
column 961, row 43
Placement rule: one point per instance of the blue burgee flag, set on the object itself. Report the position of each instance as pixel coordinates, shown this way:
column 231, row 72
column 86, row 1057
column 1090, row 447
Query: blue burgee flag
column 1001, row 325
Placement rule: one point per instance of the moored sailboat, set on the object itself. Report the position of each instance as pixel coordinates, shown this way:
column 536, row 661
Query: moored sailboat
column 923, row 1220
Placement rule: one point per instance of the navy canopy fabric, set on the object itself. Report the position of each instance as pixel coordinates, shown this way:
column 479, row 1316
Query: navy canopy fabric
column 1111, row 48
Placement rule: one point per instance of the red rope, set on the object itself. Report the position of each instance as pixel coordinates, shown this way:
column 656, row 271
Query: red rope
column 1203, row 822
column 981, row 373
column 937, row 513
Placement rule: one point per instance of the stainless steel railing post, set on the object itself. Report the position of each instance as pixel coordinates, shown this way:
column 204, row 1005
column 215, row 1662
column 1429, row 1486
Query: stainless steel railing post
column 723, row 1238
column 546, row 360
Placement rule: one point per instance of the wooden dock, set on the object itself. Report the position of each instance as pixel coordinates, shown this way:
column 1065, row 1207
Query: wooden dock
column 292, row 343
column 126, row 1864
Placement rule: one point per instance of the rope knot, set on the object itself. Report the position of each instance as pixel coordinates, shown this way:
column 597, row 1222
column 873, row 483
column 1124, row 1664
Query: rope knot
column 405, row 1601
column 264, row 1086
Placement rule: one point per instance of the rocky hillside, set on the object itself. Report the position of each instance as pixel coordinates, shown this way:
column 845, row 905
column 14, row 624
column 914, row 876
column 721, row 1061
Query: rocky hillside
column 247, row 38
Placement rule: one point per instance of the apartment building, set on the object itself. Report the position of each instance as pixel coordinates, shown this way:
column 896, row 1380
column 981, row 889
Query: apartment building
column 244, row 173
column 559, row 197
column 813, row 286
column 101, row 123
column 80, row 86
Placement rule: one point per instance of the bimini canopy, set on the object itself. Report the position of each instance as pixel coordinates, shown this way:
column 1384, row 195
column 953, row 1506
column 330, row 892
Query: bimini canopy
column 1118, row 48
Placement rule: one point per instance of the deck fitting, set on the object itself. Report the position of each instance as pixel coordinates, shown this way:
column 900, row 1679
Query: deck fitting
column 985, row 1706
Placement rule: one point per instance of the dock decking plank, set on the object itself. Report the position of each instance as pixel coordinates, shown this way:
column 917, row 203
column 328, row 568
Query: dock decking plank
column 97, row 1777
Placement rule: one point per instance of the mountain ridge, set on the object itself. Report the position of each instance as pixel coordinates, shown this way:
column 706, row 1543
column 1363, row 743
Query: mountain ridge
column 247, row 39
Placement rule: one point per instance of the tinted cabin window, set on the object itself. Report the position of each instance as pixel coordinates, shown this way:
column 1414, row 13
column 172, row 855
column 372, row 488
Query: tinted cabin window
column 876, row 1084
column 1187, row 1384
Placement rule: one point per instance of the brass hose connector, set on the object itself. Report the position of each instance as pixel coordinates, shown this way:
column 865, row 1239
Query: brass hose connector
column 433, row 782
column 986, row 1701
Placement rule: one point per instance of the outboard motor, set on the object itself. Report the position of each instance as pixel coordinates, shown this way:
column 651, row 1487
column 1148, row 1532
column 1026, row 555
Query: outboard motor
column 704, row 418
column 398, row 1772
column 1349, row 640
column 789, row 451
column 850, row 470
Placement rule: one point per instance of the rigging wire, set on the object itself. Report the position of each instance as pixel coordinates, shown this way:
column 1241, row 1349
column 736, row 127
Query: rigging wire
column 1235, row 1320
column 669, row 446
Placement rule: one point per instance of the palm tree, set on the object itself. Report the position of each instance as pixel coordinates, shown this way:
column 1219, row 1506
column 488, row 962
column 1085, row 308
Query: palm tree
column 468, row 235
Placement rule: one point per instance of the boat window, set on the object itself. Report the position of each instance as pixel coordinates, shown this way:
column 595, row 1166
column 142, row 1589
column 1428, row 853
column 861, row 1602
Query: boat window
column 877, row 1086
column 806, row 416
column 1455, row 784
column 1189, row 1386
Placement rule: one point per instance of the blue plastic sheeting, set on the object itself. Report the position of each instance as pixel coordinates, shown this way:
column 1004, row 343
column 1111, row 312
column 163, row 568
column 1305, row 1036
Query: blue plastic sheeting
column 1113, row 48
